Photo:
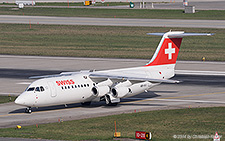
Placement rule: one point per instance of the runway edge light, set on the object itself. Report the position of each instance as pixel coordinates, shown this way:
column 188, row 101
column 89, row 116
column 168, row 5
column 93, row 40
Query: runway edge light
column 18, row 127
column 203, row 58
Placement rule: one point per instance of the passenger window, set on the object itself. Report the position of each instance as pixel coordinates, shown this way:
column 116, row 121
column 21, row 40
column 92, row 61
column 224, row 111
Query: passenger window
column 81, row 85
column 42, row 88
column 31, row 89
column 88, row 85
column 78, row 86
column 72, row 86
column 75, row 86
column 84, row 85
column 65, row 87
column 68, row 87
column 62, row 87
column 37, row 89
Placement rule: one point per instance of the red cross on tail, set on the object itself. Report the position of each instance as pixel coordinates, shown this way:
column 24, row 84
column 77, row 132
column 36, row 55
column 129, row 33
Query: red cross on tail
column 169, row 46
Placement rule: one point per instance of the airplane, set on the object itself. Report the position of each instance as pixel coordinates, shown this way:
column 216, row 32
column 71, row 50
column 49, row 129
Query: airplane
column 107, row 85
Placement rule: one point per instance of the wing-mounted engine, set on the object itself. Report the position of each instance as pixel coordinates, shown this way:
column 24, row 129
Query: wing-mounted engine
column 102, row 88
column 139, row 88
column 121, row 89
column 112, row 92
column 126, row 89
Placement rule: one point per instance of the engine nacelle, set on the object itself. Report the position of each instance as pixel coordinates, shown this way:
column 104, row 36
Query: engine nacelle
column 120, row 92
column 102, row 88
column 123, row 84
column 121, row 89
column 100, row 91
column 138, row 88
column 107, row 82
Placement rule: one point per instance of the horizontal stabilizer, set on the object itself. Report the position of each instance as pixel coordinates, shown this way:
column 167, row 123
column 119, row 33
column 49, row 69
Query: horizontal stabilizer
column 180, row 34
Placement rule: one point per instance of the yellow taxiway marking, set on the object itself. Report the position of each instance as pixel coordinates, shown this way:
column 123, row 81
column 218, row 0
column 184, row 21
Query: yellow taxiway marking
column 122, row 103
column 37, row 112
column 11, row 114
column 56, row 110
column 193, row 95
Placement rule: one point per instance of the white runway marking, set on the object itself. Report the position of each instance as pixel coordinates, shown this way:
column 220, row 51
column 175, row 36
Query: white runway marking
column 24, row 83
column 113, row 21
column 194, row 72
column 9, row 93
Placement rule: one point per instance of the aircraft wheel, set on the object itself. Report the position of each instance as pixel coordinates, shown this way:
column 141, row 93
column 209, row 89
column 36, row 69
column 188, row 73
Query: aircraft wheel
column 28, row 110
column 109, row 102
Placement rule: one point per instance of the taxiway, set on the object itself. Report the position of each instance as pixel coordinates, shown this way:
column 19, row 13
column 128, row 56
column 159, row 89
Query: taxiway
column 112, row 21
column 194, row 91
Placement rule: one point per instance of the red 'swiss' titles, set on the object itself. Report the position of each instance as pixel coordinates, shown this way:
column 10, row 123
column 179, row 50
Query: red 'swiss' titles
column 65, row 82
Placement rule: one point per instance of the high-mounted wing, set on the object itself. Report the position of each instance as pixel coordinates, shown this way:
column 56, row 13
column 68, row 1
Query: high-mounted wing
column 61, row 74
column 124, row 77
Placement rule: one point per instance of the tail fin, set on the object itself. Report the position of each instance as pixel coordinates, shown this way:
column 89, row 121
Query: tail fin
column 169, row 46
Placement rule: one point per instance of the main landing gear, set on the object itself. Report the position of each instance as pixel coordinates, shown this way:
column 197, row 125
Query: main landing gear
column 109, row 101
column 28, row 110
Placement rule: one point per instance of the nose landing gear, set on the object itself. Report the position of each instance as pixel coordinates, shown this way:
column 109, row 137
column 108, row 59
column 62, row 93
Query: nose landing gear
column 28, row 110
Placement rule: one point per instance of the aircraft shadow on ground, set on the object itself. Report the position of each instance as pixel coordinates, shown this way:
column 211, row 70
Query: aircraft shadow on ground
column 143, row 104
column 200, row 80
column 141, row 96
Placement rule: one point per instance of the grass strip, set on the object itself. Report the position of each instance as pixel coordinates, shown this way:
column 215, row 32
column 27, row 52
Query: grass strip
column 72, row 3
column 163, row 124
column 111, row 13
column 80, row 4
column 6, row 99
column 103, row 41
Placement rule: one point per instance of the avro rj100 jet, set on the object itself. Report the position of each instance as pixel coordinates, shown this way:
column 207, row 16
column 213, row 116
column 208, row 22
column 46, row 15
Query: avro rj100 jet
column 108, row 85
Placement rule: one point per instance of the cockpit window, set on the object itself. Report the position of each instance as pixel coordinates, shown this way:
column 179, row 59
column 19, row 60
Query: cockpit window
column 37, row 89
column 42, row 88
column 30, row 89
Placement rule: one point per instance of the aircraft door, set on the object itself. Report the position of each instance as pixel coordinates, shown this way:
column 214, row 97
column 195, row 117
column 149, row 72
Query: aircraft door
column 53, row 91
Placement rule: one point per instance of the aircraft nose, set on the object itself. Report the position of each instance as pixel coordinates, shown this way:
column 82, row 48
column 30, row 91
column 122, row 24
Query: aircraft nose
column 20, row 101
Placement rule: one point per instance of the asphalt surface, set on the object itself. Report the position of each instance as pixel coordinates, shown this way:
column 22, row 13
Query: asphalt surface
column 15, row 70
column 194, row 91
column 112, row 21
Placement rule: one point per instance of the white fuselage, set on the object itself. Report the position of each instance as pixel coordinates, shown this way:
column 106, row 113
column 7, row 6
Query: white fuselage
column 78, row 88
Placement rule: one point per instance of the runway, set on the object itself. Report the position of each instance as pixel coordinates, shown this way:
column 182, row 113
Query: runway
column 194, row 91
column 112, row 21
